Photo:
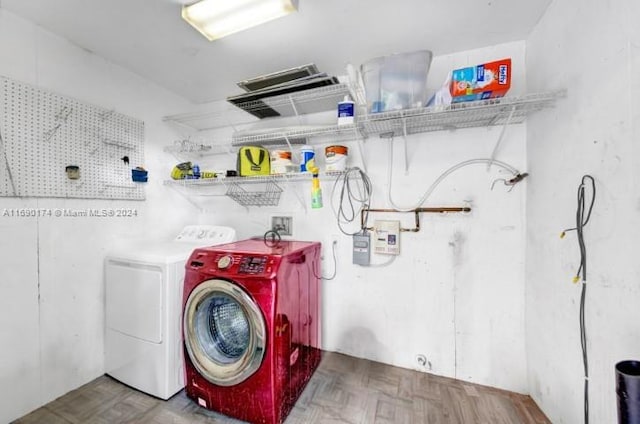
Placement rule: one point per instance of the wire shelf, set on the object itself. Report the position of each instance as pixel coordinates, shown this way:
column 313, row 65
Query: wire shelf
column 295, row 135
column 298, row 103
column 256, row 179
column 266, row 194
column 207, row 120
column 189, row 148
column 511, row 110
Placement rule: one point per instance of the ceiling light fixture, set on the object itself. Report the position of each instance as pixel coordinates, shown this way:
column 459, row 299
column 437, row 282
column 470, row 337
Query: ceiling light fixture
column 219, row 18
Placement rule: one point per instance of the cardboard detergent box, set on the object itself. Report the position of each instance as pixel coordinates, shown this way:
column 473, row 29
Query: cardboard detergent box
column 485, row 81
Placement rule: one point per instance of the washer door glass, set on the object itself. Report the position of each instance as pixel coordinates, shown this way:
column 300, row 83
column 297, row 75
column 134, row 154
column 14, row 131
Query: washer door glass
column 224, row 332
column 222, row 328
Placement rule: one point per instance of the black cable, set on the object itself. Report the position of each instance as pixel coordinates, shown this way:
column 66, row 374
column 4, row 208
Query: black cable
column 355, row 187
column 272, row 238
column 581, row 274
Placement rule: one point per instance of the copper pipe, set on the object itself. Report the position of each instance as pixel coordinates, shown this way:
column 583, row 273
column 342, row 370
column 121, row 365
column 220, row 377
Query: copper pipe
column 415, row 211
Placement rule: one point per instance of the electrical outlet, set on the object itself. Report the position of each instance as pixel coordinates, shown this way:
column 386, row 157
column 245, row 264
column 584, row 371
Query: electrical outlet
column 423, row 363
column 329, row 246
column 282, row 224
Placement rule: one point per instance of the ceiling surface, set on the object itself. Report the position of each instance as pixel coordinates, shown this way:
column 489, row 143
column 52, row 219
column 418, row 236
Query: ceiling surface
column 149, row 37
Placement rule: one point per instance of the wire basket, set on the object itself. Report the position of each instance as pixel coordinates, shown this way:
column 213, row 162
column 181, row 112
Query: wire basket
column 261, row 194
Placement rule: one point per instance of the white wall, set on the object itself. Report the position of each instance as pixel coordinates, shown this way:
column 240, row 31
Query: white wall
column 591, row 48
column 51, row 284
column 456, row 293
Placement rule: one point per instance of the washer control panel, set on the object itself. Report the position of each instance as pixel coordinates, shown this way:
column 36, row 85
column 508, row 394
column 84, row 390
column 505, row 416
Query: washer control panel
column 252, row 264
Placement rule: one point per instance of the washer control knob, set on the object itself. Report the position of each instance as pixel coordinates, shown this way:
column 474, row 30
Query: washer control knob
column 225, row 262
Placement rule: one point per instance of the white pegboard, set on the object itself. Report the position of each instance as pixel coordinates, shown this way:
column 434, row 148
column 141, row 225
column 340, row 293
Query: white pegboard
column 41, row 133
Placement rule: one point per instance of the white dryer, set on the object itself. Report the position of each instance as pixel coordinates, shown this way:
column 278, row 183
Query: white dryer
column 143, row 304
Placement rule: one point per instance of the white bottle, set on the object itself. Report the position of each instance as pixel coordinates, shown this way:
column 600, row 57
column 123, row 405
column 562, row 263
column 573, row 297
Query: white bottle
column 346, row 110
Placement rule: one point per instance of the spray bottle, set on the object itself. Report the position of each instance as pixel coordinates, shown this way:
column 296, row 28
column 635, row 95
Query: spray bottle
column 316, row 191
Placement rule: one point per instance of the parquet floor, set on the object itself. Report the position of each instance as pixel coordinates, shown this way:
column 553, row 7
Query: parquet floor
column 342, row 390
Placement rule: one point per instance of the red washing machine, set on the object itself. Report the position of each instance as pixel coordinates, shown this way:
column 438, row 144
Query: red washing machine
column 252, row 326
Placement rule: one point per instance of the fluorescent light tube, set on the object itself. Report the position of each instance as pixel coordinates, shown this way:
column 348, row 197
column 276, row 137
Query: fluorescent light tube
column 219, row 18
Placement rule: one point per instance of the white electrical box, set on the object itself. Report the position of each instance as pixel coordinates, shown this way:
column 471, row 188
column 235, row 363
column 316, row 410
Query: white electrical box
column 386, row 237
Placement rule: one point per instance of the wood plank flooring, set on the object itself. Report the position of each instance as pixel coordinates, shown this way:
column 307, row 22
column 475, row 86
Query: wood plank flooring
column 343, row 390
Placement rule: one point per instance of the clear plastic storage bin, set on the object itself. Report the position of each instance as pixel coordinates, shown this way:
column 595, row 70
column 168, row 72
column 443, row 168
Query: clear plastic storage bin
column 397, row 81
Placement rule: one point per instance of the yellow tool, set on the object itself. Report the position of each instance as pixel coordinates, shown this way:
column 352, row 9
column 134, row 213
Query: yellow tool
column 182, row 171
